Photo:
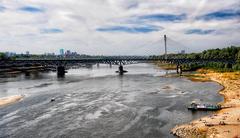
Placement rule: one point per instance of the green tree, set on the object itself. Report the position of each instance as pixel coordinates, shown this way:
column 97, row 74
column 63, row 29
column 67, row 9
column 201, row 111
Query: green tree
column 2, row 56
column 238, row 57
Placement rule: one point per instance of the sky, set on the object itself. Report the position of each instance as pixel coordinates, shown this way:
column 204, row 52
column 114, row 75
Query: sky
column 118, row 27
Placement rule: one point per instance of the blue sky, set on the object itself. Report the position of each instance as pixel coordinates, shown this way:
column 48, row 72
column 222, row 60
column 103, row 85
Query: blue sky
column 160, row 17
column 31, row 9
column 127, row 29
column 225, row 14
column 118, row 27
column 51, row 31
column 199, row 31
column 2, row 8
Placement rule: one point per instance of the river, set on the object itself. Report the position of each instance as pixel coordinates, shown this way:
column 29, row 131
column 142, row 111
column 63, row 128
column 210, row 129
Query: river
column 98, row 103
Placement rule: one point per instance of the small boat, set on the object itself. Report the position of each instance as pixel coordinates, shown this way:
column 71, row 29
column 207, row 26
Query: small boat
column 205, row 107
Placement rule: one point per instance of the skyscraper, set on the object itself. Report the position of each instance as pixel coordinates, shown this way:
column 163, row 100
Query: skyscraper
column 27, row 53
column 62, row 52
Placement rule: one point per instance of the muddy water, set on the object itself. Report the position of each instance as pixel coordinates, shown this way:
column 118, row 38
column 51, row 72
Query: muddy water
column 98, row 103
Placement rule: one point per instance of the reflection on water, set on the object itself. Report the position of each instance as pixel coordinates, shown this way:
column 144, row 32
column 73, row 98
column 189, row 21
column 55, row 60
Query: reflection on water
column 97, row 102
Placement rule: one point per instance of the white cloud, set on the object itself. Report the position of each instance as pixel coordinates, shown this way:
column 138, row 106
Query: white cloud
column 78, row 19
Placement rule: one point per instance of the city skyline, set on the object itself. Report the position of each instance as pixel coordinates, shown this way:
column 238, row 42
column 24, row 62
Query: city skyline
column 117, row 27
column 60, row 52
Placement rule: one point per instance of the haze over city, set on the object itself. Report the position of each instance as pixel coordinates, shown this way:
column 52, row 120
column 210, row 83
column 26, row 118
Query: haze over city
column 117, row 27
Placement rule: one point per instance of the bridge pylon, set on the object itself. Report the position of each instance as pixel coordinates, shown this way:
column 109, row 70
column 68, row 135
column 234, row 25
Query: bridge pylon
column 165, row 45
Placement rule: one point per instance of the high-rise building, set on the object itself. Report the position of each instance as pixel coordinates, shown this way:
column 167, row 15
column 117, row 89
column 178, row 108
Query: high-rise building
column 10, row 54
column 183, row 52
column 68, row 53
column 27, row 53
column 61, row 52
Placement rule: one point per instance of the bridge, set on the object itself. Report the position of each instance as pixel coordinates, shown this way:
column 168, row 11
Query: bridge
column 60, row 63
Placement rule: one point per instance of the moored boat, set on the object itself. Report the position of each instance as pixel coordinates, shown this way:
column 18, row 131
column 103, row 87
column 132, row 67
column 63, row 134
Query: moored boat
column 206, row 107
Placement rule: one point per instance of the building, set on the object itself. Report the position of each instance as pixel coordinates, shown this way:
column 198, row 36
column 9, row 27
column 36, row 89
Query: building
column 68, row 53
column 62, row 52
column 27, row 53
column 10, row 54
column 74, row 54
column 49, row 54
column 182, row 52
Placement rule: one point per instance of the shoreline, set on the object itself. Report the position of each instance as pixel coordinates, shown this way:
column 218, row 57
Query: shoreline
column 224, row 123
column 10, row 100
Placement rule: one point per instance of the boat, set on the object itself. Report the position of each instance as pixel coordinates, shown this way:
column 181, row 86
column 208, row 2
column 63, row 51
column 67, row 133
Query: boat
column 204, row 107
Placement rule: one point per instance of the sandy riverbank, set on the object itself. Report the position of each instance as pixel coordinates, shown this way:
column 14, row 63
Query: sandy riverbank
column 224, row 123
column 10, row 100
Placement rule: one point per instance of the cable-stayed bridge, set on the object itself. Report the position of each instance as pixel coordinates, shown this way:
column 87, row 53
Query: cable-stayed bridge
column 61, row 62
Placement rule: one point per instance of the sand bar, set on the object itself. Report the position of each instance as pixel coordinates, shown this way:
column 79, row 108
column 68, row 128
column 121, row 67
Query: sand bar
column 224, row 123
column 10, row 100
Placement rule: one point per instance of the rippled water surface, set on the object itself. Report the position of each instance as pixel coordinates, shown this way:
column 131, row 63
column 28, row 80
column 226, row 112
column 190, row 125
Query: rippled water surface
column 98, row 103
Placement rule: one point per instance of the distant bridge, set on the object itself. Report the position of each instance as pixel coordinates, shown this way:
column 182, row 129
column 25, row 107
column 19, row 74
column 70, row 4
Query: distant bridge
column 60, row 63
column 113, row 60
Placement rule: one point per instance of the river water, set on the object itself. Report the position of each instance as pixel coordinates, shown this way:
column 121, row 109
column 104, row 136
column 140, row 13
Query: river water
column 98, row 103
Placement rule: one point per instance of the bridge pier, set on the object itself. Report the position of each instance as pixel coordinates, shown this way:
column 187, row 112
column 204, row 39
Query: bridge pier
column 120, row 69
column 110, row 65
column 98, row 65
column 179, row 69
column 61, row 71
column 27, row 74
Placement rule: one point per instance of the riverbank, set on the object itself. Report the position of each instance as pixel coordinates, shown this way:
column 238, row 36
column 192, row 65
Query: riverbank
column 10, row 100
column 165, row 66
column 18, row 70
column 224, row 123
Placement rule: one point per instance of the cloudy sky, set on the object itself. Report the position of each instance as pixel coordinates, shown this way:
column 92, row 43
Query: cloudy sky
column 118, row 27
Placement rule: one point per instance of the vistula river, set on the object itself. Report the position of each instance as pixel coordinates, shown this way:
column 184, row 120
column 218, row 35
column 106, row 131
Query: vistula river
column 98, row 103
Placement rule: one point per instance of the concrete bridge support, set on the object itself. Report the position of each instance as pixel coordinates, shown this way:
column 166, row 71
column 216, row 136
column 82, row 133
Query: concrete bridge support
column 179, row 69
column 120, row 68
column 121, row 71
column 27, row 73
column 61, row 71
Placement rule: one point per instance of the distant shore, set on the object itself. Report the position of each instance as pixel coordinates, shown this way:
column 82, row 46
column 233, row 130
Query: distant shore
column 10, row 100
column 224, row 123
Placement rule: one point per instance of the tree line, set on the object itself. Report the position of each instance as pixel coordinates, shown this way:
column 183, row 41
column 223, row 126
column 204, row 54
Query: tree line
column 2, row 56
column 229, row 53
